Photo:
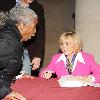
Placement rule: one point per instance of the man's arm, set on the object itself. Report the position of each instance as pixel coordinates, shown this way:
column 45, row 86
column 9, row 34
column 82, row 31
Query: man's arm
column 8, row 67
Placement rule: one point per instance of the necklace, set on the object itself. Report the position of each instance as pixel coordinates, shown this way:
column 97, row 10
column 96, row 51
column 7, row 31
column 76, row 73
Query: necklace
column 70, row 63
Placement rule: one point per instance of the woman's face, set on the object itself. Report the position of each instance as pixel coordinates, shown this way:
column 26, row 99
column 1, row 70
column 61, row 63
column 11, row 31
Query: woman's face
column 68, row 46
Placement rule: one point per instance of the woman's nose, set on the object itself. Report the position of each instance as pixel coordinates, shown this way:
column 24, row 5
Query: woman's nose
column 64, row 45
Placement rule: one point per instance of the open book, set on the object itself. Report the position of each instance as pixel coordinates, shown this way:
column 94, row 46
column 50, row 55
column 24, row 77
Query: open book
column 76, row 81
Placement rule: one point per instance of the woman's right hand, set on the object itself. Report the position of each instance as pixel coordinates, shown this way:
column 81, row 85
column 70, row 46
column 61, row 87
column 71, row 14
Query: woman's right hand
column 47, row 74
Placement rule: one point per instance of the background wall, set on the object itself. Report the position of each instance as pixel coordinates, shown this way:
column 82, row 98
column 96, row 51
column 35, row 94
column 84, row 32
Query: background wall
column 58, row 18
column 87, row 23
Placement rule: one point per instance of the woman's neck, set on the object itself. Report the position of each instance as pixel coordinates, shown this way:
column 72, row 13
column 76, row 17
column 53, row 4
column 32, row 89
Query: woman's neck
column 70, row 57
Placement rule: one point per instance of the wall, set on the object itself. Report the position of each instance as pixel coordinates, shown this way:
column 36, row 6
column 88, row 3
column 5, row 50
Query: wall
column 87, row 23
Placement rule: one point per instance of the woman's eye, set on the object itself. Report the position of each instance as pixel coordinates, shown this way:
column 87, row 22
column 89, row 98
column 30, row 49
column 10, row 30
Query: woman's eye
column 66, row 44
column 61, row 43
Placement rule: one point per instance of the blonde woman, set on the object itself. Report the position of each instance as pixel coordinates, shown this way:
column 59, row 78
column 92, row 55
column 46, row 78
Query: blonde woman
column 73, row 60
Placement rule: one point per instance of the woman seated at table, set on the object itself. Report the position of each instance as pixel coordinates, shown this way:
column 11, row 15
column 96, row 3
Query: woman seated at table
column 72, row 61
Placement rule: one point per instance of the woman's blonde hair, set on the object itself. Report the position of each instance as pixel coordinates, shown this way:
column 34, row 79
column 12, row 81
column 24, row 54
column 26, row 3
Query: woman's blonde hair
column 76, row 38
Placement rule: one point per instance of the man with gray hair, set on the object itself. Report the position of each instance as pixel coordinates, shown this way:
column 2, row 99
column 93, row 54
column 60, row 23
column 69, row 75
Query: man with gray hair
column 19, row 27
column 34, row 49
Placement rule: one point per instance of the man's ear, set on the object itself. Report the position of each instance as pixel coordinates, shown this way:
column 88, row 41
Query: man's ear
column 21, row 29
column 20, row 26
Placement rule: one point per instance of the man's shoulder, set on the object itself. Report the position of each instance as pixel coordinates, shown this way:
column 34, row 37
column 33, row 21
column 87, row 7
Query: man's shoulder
column 5, row 32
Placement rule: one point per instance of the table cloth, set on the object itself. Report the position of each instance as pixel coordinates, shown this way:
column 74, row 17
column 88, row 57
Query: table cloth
column 42, row 89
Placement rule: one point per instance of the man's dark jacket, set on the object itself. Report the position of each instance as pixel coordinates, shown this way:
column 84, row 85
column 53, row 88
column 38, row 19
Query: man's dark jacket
column 10, row 56
column 36, row 46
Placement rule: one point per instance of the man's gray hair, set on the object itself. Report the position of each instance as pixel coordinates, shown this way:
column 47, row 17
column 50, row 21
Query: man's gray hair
column 3, row 18
column 22, row 14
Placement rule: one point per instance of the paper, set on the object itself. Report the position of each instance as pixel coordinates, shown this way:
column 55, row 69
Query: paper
column 66, row 82
column 76, row 81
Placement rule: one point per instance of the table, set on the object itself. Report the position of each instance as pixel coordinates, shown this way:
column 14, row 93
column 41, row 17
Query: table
column 42, row 89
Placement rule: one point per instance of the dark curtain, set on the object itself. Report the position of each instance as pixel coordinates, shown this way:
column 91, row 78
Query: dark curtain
column 6, row 5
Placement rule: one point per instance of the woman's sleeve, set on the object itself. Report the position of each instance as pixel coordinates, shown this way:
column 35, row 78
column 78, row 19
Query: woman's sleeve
column 95, row 69
column 50, row 67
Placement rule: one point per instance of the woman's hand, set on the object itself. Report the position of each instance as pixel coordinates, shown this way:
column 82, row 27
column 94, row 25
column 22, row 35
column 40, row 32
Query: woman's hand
column 47, row 74
column 14, row 96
